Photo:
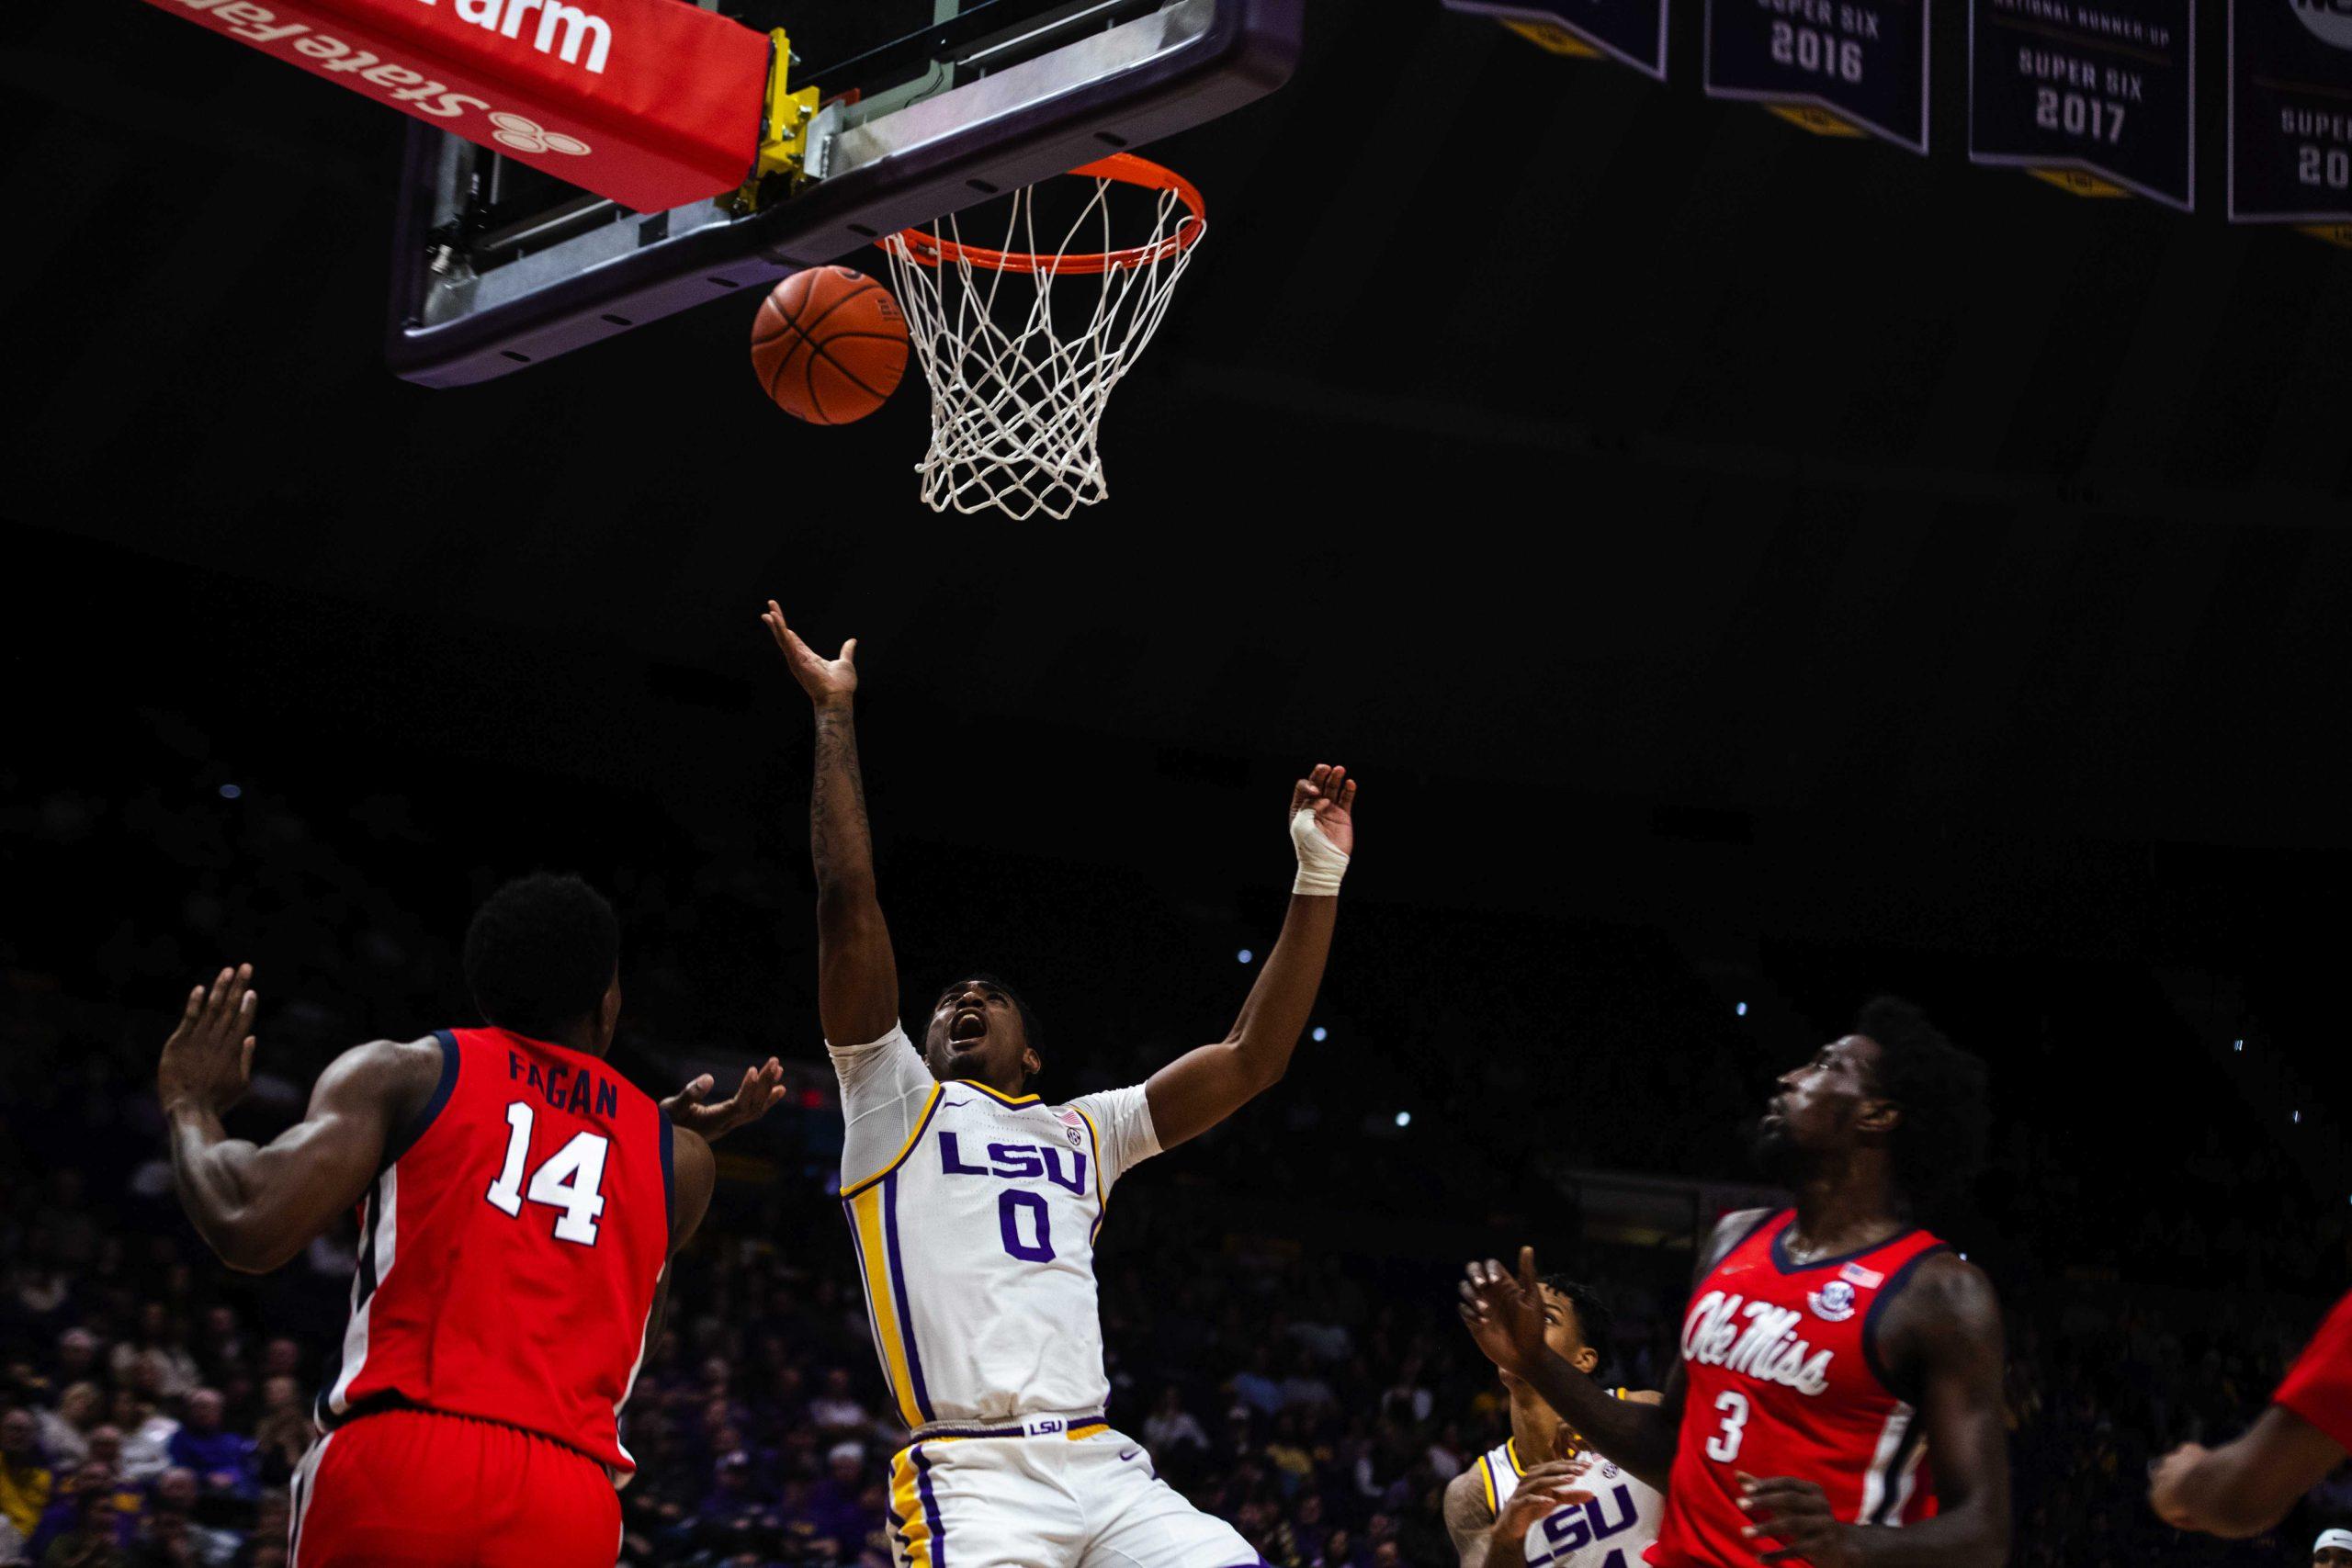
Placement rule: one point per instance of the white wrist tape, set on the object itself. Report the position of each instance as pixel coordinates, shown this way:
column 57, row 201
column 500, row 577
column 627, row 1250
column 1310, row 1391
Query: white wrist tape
column 1320, row 862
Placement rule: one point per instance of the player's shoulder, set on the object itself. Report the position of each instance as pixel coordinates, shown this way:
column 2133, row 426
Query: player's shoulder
column 1946, row 1306
column 1469, row 1503
column 1948, row 1285
column 398, row 1067
column 1729, row 1232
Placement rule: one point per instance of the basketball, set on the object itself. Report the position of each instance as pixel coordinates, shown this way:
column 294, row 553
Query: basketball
column 829, row 344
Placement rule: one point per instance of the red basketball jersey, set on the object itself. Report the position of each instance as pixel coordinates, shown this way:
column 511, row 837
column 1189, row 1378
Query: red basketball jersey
column 510, row 1247
column 1782, row 1378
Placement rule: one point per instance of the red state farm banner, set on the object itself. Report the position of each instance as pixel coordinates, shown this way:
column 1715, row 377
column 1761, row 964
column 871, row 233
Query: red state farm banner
column 653, row 103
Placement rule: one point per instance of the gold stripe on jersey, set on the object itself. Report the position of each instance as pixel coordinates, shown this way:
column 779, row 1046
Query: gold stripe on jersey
column 881, row 1298
column 1018, row 1102
column 929, row 1106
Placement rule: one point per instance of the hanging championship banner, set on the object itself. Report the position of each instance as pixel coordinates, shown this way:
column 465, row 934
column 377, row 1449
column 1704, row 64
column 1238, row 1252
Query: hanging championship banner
column 1633, row 31
column 1839, row 67
column 2290, row 114
column 2098, row 96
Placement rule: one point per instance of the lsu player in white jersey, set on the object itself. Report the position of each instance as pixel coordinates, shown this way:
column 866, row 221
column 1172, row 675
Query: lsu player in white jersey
column 975, row 1206
column 1537, row 1499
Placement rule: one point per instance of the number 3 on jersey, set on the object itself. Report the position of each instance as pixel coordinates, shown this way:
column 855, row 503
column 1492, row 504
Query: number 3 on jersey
column 566, row 1183
column 1723, row 1447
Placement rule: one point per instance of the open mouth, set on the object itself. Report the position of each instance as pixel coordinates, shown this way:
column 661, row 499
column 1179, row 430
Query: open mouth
column 967, row 1028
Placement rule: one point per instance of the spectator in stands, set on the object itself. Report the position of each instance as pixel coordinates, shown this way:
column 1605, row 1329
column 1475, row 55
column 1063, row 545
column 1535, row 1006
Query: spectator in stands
column 1171, row 1426
column 836, row 1505
column 282, row 1432
column 1256, row 1387
column 145, row 1438
column 65, row 1431
column 85, row 1535
column 25, row 1480
column 94, row 1499
column 837, row 1409
column 157, row 1362
column 224, row 1461
column 172, row 1534
column 77, row 1356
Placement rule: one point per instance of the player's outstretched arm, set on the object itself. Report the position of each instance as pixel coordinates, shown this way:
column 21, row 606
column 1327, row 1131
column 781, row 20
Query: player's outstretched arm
column 2245, row 1486
column 258, row 1205
column 1504, row 1312
column 1204, row 1086
column 1946, row 1325
column 857, row 972
column 695, row 1170
column 692, row 1109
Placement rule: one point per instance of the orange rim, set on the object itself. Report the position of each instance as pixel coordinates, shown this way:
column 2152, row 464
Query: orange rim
column 1125, row 167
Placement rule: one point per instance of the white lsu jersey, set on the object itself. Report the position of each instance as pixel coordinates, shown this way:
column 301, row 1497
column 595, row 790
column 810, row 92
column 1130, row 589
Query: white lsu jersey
column 975, row 1215
column 1608, row 1532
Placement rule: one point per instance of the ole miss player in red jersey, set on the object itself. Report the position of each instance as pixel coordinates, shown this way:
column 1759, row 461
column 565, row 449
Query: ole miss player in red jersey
column 520, row 1202
column 1835, row 1349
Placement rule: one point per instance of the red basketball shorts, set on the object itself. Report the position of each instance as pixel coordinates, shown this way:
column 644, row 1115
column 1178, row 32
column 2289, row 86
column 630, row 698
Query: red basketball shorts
column 413, row 1489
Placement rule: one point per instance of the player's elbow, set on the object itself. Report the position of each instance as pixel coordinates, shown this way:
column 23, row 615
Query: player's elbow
column 245, row 1244
column 1255, row 1072
column 847, row 909
column 1988, row 1543
column 2244, row 1512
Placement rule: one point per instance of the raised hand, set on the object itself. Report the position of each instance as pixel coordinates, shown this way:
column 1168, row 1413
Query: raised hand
column 1555, row 1483
column 209, row 1060
column 1505, row 1311
column 758, row 1093
column 828, row 682
column 1330, row 794
column 1797, row 1514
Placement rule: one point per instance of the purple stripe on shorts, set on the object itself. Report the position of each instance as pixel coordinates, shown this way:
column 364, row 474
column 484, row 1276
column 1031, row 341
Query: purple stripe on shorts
column 930, row 1509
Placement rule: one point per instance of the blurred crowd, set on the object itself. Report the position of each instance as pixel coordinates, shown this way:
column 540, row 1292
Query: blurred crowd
column 1291, row 1362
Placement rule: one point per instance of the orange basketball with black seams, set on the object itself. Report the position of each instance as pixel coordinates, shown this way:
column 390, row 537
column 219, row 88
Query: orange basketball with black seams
column 830, row 344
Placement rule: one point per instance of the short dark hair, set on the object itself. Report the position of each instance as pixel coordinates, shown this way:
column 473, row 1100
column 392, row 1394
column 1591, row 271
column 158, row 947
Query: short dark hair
column 1595, row 1320
column 1029, row 1025
column 1939, row 1146
column 540, row 953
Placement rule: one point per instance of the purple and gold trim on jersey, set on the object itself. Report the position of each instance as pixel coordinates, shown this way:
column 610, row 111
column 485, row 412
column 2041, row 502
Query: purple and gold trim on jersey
column 1101, row 1198
column 874, row 1228
column 930, row 1109
column 1013, row 1101
column 1085, row 1426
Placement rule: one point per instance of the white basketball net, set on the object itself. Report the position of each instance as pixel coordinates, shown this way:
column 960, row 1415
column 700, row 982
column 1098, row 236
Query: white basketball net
column 1016, row 402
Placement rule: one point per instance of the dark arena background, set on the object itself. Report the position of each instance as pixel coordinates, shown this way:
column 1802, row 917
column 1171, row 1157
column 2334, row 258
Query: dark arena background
column 1746, row 572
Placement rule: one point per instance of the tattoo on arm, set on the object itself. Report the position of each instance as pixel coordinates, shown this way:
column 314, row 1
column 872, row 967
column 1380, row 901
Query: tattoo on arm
column 1467, row 1518
column 841, row 838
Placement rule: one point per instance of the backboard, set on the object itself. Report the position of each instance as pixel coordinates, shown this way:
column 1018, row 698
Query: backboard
column 926, row 106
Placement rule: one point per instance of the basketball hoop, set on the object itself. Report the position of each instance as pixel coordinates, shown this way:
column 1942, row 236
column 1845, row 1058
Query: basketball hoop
column 1016, row 398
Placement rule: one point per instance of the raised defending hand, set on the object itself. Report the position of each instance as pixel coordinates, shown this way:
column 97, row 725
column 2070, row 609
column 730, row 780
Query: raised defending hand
column 1797, row 1514
column 1555, row 1483
column 758, row 1093
column 1330, row 794
column 209, row 1060
column 828, row 682
column 1505, row 1311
